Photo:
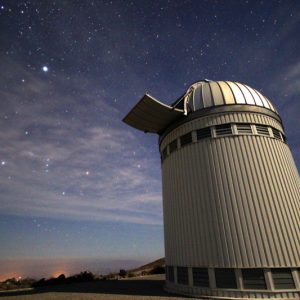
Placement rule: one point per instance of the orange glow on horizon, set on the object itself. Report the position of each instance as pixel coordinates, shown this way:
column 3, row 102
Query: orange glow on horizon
column 57, row 273
column 19, row 276
column 6, row 276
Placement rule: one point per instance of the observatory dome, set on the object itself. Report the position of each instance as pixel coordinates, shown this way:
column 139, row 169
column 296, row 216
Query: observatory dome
column 206, row 93
column 151, row 115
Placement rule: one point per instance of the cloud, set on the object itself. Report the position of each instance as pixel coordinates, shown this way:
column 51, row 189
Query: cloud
column 60, row 163
column 285, row 86
column 292, row 86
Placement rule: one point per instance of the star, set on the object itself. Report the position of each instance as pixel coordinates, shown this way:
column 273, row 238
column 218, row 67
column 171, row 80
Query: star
column 3, row 163
column 45, row 69
column 87, row 173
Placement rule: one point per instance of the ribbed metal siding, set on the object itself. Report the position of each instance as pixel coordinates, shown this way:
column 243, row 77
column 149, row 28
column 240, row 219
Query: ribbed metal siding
column 254, row 118
column 231, row 201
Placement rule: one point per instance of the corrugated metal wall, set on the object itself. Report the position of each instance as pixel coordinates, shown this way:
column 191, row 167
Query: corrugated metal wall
column 221, row 118
column 231, row 201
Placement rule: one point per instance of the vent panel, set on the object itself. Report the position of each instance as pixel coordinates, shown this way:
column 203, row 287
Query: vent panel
column 164, row 154
column 276, row 134
column 244, row 128
column 254, row 279
column 200, row 277
column 170, row 273
column 223, row 129
column 283, row 279
column 262, row 130
column 173, row 146
column 182, row 275
column 203, row 133
column 186, row 139
column 225, row 278
column 284, row 138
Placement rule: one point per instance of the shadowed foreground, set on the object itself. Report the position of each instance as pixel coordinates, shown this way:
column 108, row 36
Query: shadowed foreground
column 148, row 287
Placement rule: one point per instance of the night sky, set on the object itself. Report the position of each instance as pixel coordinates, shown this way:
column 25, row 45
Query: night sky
column 79, row 188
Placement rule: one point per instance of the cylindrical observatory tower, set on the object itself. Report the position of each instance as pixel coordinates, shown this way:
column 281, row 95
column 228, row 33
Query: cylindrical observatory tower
column 231, row 192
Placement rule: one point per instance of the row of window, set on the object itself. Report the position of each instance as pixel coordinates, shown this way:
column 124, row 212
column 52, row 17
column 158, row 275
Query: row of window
column 226, row 278
column 222, row 130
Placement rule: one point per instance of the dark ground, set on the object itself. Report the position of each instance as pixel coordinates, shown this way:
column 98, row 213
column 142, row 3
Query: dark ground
column 142, row 288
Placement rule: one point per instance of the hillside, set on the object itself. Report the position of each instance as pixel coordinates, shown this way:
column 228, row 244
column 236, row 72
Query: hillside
column 150, row 268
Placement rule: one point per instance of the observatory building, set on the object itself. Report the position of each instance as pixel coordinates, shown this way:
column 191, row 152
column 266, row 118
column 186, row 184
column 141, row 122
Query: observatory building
column 231, row 192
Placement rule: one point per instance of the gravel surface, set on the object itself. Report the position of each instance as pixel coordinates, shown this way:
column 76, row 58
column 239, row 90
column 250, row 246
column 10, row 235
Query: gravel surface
column 143, row 288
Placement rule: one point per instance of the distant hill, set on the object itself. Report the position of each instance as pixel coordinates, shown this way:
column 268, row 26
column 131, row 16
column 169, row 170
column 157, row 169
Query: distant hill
column 155, row 267
column 152, row 268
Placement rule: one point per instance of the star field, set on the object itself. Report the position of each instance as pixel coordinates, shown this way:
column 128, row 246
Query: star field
column 75, row 181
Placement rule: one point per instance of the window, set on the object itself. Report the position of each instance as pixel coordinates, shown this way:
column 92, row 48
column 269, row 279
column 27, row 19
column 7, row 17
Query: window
column 262, row 130
column 243, row 128
column 182, row 275
column 203, row 133
column 186, row 139
column 225, row 278
column 173, row 146
column 223, row 129
column 200, row 277
column 254, row 279
column 170, row 273
column 283, row 279
column 276, row 134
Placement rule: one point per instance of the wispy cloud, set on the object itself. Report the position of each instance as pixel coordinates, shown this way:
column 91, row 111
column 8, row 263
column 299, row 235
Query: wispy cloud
column 292, row 76
column 285, row 87
column 58, row 162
